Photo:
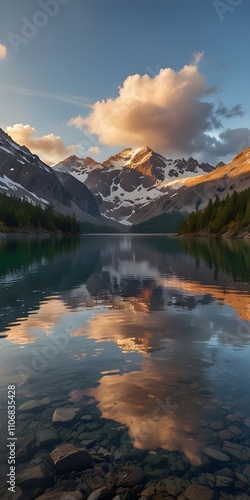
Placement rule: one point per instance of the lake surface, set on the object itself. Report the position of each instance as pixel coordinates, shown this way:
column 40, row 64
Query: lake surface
column 147, row 337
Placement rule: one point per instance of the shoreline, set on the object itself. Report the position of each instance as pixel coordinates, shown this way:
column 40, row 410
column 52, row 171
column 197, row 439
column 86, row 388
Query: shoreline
column 239, row 235
column 34, row 234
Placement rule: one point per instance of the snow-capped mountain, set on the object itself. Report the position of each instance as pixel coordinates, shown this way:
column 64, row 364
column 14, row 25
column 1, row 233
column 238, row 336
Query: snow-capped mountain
column 154, row 165
column 130, row 187
column 195, row 192
column 23, row 174
column 134, row 177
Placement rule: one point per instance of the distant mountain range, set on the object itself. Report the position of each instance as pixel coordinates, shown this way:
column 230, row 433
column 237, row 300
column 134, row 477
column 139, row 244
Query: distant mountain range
column 127, row 189
column 128, row 181
column 138, row 184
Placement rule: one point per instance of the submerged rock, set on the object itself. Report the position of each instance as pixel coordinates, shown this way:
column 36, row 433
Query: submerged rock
column 217, row 424
column 110, row 480
column 246, row 471
column 148, row 492
column 87, row 418
column 96, row 482
column 46, row 438
column 18, row 495
column 198, row 492
column 154, row 459
column 62, row 495
column 237, row 450
column 216, row 454
column 33, row 405
column 173, row 485
column 25, row 446
column 99, row 494
column 224, row 435
column 126, row 494
column 235, row 430
column 67, row 458
column 128, row 476
column 64, row 415
column 247, row 422
column 224, row 481
column 39, row 476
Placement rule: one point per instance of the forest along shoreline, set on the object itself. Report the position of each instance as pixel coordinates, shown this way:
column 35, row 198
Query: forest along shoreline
column 228, row 235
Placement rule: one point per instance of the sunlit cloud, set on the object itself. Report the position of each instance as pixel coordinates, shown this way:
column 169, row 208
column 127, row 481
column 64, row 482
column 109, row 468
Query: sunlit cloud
column 158, row 405
column 94, row 150
column 169, row 111
column 197, row 57
column 3, row 52
column 49, row 148
column 77, row 121
column 24, row 330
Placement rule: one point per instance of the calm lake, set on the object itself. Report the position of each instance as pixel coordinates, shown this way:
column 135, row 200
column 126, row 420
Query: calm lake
column 146, row 337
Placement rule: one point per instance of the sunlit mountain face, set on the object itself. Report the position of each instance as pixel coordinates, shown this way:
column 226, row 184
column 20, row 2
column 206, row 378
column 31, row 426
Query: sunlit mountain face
column 129, row 180
column 138, row 184
column 129, row 188
column 155, row 330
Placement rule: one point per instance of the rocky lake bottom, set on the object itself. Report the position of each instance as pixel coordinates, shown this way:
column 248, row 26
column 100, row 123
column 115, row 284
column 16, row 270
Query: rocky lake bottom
column 67, row 451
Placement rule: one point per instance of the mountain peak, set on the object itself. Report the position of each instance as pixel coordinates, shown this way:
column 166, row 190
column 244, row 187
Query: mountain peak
column 71, row 158
column 145, row 149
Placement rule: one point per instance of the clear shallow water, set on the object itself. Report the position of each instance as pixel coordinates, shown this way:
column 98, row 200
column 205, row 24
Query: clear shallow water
column 149, row 336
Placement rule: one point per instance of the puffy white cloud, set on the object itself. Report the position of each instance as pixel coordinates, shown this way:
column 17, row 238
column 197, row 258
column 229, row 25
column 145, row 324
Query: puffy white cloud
column 49, row 148
column 94, row 150
column 162, row 112
column 77, row 121
column 3, row 51
column 168, row 111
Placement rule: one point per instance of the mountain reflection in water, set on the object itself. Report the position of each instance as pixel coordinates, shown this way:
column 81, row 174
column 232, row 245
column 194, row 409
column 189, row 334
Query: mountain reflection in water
column 183, row 306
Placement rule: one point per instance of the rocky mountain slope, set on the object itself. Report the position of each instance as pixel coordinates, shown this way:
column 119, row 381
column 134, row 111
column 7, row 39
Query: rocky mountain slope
column 131, row 187
column 23, row 174
column 195, row 192
column 128, row 181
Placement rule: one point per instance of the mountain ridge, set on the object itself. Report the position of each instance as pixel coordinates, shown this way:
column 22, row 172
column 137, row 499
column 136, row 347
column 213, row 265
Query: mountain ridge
column 23, row 175
column 128, row 188
column 195, row 192
column 130, row 179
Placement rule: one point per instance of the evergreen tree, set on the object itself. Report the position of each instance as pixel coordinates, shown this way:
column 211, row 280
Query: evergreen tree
column 232, row 213
column 17, row 214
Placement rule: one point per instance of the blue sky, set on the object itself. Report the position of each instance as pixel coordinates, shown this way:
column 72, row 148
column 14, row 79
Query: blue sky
column 83, row 51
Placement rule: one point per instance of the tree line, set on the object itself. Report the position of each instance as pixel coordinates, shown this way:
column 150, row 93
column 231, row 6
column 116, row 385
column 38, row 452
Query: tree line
column 17, row 214
column 219, row 216
column 164, row 223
